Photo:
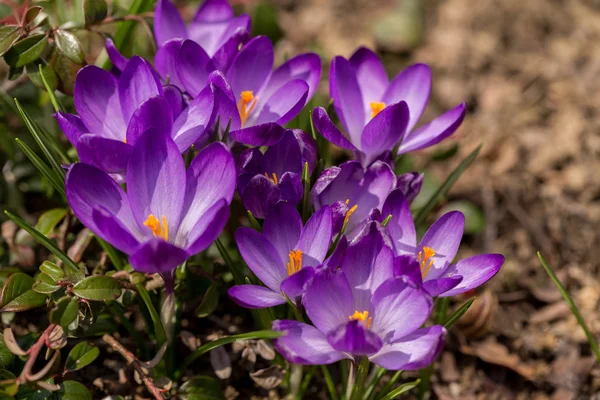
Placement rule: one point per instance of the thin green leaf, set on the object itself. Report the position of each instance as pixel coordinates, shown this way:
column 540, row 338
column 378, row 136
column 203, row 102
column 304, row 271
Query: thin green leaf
column 569, row 300
column 26, row 51
column 458, row 313
column 209, row 302
column 402, row 389
column 81, row 355
column 226, row 340
column 159, row 330
column 98, row 288
column 49, row 219
column 44, row 241
column 445, row 187
column 47, row 74
column 41, row 166
column 69, row 45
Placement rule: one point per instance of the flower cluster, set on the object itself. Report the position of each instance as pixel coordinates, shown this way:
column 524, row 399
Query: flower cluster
column 351, row 262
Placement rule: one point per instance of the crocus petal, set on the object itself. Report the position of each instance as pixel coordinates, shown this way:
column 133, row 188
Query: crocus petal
column 156, row 179
column 304, row 344
column 371, row 76
column 157, row 256
column 195, row 120
column 412, row 352
column 444, row 238
column 284, row 156
column 71, row 125
column 226, row 110
column 306, row 67
column 383, row 131
column 168, row 24
column 335, row 259
column 328, row 300
column 437, row 287
column 399, row 308
column 109, row 155
column 97, row 102
column 208, row 228
column 475, row 271
column 290, row 188
column 167, row 62
column 175, row 98
column 308, row 148
column 410, row 184
column 137, row 83
column 260, row 195
column 252, row 66
column 224, row 55
column 435, row 131
column 327, row 128
column 116, row 58
column 261, row 257
column 293, row 286
column 193, row 67
column 89, row 189
column 152, row 113
column 409, row 267
column 213, row 35
column 316, row 235
column 337, row 183
column 214, row 11
column 413, row 86
column 347, row 98
column 282, row 228
column 210, row 178
column 284, row 105
column 353, row 338
column 266, row 134
column 367, row 264
column 254, row 296
column 401, row 227
column 111, row 229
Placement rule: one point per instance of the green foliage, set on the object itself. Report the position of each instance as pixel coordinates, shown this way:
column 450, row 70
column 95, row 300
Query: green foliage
column 17, row 294
column 83, row 354
column 202, row 388
column 98, row 288
column 209, row 302
column 64, row 312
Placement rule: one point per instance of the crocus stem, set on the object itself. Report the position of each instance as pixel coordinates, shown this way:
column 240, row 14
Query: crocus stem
column 306, row 381
column 295, row 380
column 159, row 330
column 572, row 306
column 350, row 380
column 378, row 373
column 329, row 381
column 306, row 197
column 361, row 377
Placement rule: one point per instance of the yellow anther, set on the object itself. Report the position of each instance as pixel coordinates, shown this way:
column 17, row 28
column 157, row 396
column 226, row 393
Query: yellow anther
column 295, row 262
column 246, row 98
column 347, row 201
column 159, row 229
column 272, row 178
column 349, row 213
column 425, row 257
column 376, row 107
column 361, row 316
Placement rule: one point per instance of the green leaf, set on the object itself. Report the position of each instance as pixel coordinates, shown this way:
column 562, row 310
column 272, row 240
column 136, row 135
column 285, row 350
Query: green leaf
column 445, row 187
column 17, row 294
column 41, row 166
column 45, row 284
column 64, row 312
column 94, row 11
column 83, row 354
column 32, row 13
column 26, row 50
column 8, row 36
column 69, row 45
column 458, row 313
column 98, row 288
column 38, row 71
column 48, row 220
column 6, row 357
column 202, row 388
column 405, row 387
column 44, row 241
column 66, row 70
column 72, row 390
column 209, row 303
column 52, row 270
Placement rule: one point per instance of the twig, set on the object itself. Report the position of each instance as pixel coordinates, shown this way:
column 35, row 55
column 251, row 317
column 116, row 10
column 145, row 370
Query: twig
column 133, row 361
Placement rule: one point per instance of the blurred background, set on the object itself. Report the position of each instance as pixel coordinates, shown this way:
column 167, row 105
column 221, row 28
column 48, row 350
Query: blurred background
column 528, row 71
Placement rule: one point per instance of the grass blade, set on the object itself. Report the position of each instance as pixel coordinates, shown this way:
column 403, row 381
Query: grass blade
column 458, row 313
column 55, row 103
column 445, row 187
column 401, row 389
column 112, row 254
column 565, row 294
column 44, row 241
column 41, row 166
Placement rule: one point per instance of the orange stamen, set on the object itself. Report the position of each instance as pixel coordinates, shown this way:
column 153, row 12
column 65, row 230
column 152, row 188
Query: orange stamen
column 246, row 98
column 376, row 107
column 295, row 262
column 159, row 229
column 273, row 179
column 361, row 316
column 425, row 257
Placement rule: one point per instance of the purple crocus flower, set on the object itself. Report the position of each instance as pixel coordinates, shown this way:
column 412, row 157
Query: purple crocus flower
column 361, row 309
column 113, row 113
column 378, row 114
column 430, row 262
column 258, row 100
column 283, row 256
column 214, row 28
column 266, row 179
column 353, row 192
column 168, row 213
